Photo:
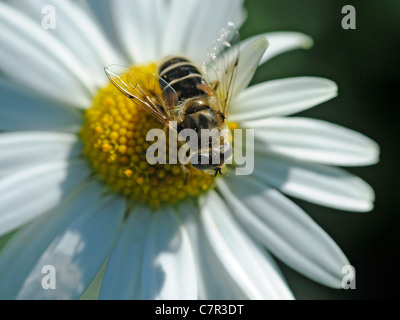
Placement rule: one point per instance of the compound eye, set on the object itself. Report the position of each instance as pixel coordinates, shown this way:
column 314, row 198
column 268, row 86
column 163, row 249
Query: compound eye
column 226, row 152
column 201, row 161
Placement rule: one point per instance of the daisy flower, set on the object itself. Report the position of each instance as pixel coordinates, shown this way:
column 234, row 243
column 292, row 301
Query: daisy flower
column 74, row 182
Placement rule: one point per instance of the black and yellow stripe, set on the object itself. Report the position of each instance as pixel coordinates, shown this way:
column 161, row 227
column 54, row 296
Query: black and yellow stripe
column 182, row 76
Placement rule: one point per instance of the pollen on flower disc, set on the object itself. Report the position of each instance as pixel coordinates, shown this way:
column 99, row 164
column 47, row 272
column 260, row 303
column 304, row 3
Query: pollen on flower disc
column 114, row 137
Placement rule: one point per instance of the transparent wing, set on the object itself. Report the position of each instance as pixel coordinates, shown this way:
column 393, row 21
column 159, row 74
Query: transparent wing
column 147, row 90
column 221, row 62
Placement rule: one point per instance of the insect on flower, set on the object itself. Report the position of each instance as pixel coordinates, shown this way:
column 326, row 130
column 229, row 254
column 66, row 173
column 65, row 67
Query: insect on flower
column 183, row 96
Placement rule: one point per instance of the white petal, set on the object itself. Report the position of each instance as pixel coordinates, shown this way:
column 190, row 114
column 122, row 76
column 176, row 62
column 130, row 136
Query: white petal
column 139, row 26
column 23, row 112
column 181, row 16
column 33, row 58
column 243, row 259
column 25, row 149
column 82, row 3
column 281, row 97
column 168, row 269
column 313, row 140
column 122, row 280
column 248, row 62
column 327, row 186
column 241, row 17
column 281, row 42
column 208, row 18
column 100, row 10
column 286, row 230
column 78, row 31
column 78, row 252
column 213, row 280
column 29, row 193
column 26, row 247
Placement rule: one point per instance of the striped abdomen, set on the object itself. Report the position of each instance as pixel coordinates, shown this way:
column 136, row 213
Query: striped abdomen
column 182, row 76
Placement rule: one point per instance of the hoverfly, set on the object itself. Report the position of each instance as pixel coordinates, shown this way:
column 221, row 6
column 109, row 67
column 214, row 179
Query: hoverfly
column 190, row 97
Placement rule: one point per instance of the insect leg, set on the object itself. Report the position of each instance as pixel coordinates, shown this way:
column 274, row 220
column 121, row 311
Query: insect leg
column 186, row 171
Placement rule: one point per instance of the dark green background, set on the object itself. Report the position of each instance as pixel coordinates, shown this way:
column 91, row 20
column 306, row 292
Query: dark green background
column 365, row 65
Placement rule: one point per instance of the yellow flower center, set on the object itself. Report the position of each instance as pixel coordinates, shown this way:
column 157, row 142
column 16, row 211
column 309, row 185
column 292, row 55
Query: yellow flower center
column 114, row 137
